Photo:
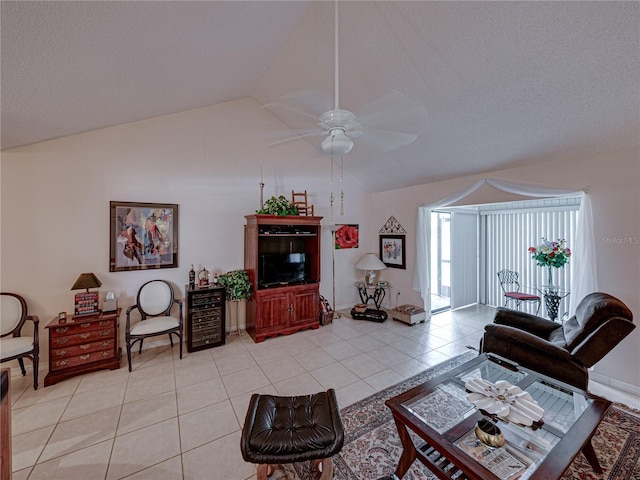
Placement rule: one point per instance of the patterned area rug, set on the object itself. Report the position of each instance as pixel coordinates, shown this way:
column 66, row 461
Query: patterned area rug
column 372, row 447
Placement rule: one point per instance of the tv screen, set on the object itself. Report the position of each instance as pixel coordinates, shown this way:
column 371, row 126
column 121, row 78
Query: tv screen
column 283, row 269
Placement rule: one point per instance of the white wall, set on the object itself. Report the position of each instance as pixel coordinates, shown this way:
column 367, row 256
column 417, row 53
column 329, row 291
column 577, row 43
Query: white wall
column 614, row 180
column 55, row 201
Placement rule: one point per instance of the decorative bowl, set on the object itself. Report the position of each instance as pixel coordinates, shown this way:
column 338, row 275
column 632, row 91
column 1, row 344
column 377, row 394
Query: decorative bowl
column 489, row 433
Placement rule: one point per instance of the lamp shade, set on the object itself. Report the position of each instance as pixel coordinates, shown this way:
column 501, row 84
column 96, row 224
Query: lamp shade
column 87, row 281
column 370, row 262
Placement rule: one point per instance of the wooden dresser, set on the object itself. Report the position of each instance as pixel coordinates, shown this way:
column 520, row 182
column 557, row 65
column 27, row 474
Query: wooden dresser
column 82, row 344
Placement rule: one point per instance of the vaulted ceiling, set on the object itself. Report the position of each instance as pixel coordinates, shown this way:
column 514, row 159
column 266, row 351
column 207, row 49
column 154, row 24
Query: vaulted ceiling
column 503, row 83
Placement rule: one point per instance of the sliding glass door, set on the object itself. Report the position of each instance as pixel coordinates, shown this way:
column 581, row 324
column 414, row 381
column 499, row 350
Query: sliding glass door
column 440, row 261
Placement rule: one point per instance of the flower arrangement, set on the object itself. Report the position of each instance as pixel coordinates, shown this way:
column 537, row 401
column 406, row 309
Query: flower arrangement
column 237, row 285
column 551, row 254
column 278, row 206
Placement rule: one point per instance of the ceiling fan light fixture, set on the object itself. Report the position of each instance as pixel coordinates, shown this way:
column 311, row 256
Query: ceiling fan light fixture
column 337, row 144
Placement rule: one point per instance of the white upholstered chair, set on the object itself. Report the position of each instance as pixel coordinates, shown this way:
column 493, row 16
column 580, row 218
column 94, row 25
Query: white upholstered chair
column 154, row 303
column 14, row 345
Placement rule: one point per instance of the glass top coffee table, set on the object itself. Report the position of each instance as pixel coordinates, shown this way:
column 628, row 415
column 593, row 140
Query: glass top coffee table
column 440, row 414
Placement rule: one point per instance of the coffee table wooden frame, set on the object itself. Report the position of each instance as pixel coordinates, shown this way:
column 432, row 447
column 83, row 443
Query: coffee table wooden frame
column 444, row 459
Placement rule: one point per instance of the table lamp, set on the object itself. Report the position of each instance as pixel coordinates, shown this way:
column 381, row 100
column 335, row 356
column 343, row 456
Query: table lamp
column 370, row 264
column 86, row 303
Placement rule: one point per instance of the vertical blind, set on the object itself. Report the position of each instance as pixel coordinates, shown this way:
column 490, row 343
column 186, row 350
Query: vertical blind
column 507, row 234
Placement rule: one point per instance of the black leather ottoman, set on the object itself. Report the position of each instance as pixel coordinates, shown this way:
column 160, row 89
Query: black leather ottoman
column 292, row 429
column 371, row 314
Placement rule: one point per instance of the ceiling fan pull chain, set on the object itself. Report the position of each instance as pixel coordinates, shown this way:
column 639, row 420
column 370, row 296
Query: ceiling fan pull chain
column 341, row 202
column 331, row 207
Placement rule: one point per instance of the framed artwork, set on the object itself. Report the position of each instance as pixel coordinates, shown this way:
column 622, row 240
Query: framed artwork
column 143, row 236
column 392, row 251
column 346, row 236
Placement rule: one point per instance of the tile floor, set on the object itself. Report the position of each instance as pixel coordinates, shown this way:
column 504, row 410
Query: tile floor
column 181, row 419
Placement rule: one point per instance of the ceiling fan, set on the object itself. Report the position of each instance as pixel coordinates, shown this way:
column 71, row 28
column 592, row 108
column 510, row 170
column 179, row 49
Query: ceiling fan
column 388, row 123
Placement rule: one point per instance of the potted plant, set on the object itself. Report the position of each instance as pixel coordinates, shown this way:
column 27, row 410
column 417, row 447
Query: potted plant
column 237, row 290
column 278, row 206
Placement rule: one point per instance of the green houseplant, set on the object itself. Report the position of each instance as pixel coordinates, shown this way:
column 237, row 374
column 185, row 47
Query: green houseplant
column 278, row 206
column 236, row 284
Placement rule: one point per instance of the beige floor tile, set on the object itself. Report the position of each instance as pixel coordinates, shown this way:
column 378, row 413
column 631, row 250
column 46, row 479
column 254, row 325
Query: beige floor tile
column 26, row 448
column 195, row 373
column 365, row 343
column 145, row 412
column 267, row 351
column 143, row 448
column 341, row 350
column 314, row 358
column 207, row 424
column 411, row 348
column 432, row 358
column 301, row 385
column 385, row 378
column 93, row 401
column 244, row 381
column 200, row 395
column 82, row 432
column 387, row 336
column 282, row 369
column 21, row 474
column 353, row 393
column 363, row 365
column 168, row 470
column 295, row 344
column 37, row 416
column 222, row 456
column 235, row 361
column 59, row 390
column 322, row 338
column 335, row 376
column 409, row 368
column 90, row 462
column 141, row 386
column 389, row 355
column 103, row 378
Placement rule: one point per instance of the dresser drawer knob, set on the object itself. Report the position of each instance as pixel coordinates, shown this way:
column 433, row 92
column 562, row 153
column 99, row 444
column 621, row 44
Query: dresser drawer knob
column 62, row 341
column 105, row 354
column 105, row 333
column 105, row 344
column 105, row 323
column 61, row 363
column 85, row 346
column 62, row 330
column 85, row 325
column 61, row 353
column 85, row 335
column 84, row 357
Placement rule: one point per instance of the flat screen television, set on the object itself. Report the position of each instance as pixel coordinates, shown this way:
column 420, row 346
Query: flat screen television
column 285, row 269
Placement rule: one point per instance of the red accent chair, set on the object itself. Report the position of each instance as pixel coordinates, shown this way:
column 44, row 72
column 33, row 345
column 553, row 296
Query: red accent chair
column 510, row 284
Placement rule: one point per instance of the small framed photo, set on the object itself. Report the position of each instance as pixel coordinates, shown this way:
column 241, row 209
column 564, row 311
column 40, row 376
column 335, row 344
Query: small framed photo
column 143, row 236
column 392, row 251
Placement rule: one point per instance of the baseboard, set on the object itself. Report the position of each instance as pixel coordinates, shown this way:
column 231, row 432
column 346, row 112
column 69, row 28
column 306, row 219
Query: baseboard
column 617, row 384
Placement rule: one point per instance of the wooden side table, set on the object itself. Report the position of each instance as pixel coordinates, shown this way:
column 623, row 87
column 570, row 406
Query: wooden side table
column 82, row 344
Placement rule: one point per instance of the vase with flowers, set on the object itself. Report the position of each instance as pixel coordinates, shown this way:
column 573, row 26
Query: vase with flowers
column 551, row 255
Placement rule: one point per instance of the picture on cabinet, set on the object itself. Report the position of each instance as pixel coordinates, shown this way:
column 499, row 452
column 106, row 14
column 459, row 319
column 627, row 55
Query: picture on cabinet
column 143, row 236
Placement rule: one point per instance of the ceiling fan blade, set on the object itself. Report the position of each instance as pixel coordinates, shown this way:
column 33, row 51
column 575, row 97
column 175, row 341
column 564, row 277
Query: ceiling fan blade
column 313, row 101
column 315, row 133
column 385, row 140
column 394, row 111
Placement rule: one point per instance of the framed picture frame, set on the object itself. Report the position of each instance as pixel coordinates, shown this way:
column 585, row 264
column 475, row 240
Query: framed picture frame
column 346, row 236
column 143, row 236
column 392, row 251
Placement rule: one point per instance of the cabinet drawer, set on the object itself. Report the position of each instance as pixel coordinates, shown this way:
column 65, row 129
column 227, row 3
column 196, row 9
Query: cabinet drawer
column 212, row 324
column 80, row 327
column 82, row 359
column 59, row 353
column 81, row 338
column 206, row 300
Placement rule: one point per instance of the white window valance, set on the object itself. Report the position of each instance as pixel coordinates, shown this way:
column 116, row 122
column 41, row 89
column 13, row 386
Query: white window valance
column 583, row 272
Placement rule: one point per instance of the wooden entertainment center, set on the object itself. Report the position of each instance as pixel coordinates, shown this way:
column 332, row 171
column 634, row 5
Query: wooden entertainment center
column 292, row 304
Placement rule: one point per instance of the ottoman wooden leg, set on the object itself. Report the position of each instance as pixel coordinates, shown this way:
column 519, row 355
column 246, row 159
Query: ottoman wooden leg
column 327, row 468
column 265, row 470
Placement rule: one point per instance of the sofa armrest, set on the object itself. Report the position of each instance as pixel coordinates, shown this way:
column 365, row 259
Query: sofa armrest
column 528, row 340
column 538, row 326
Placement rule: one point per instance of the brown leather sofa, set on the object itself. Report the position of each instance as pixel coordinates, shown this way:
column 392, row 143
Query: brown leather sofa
column 561, row 351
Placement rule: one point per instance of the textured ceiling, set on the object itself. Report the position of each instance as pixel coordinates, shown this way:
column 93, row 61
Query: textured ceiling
column 504, row 83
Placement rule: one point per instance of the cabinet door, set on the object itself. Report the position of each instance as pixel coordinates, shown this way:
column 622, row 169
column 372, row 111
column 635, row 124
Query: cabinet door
column 273, row 312
column 305, row 307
